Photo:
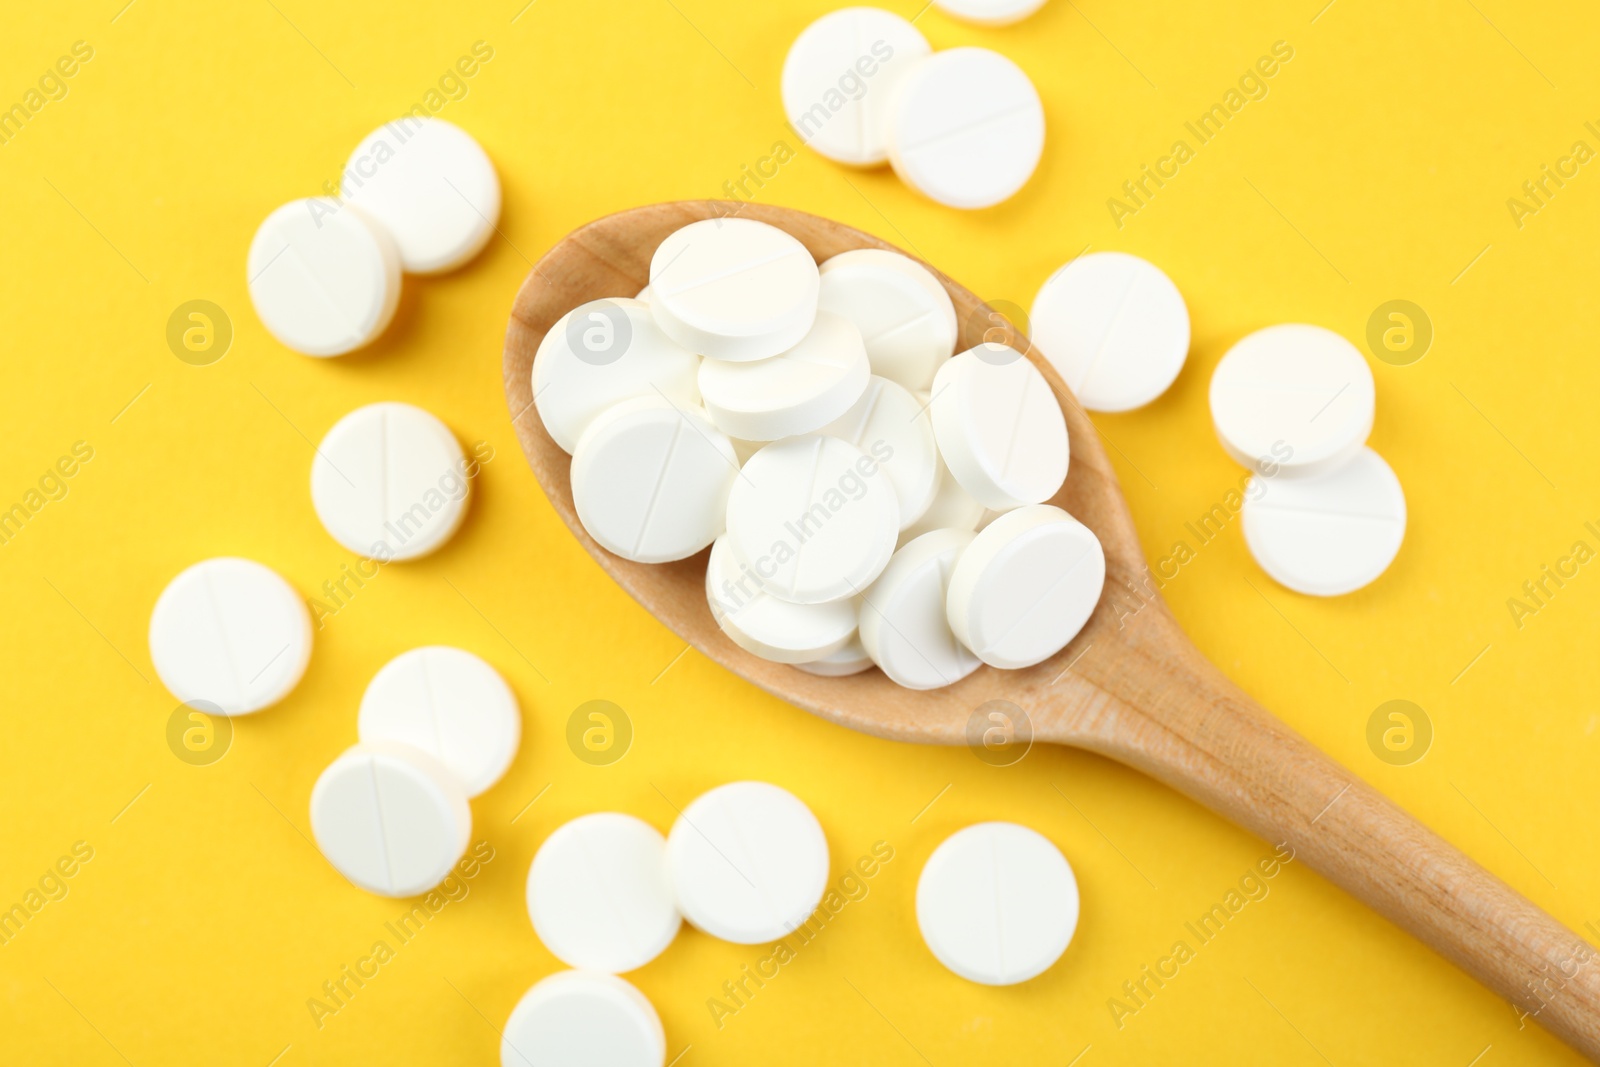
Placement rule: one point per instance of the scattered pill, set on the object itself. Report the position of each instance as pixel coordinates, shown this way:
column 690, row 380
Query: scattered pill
column 748, row 862
column 1115, row 327
column 798, row 391
column 966, row 128
column 989, row 12
column 765, row 626
column 733, row 289
column 905, row 316
column 851, row 659
column 450, row 704
column 389, row 481
column 999, row 428
column 904, row 625
column 997, row 903
column 583, row 1019
column 390, row 818
column 890, row 419
column 650, row 480
column 838, row 77
column 431, row 186
column 1299, row 399
column 324, row 278
column 952, row 509
column 230, row 634
column 814, row 517
column 599, row 896
column 1331, row 535
column 602, row 352
column 1025, row 586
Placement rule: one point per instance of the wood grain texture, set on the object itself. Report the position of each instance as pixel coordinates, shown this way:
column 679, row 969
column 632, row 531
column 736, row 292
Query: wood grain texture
column 1131, row 686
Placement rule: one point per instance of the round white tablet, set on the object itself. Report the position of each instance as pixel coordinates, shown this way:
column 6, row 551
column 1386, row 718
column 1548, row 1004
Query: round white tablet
column 851, row 659
column 966, row 128
column 814, row 517
column 1000, row 431
column 765, row 626
column 230, row 633
column 450, row 704
column 838, row 76
column 905, row 316
column 582, row 1019
column 997, row 903
column 795, row 392
column 1294, row 398
column 890, row 421
column 429, row 184
column 1115, row 327
column 748, row 861
column 989, row 12
column 599, row 896
column 390, row 818
column 904, row 625
column 324, row 278
column 600, row 353
column 389, row 481
column 1331, row 535
column 1025, row 586
column 952, row 509
column 733, row 289
column 650, row 480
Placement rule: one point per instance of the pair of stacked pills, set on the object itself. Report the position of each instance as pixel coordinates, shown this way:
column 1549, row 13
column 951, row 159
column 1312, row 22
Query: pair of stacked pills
column 812, row 426
column 418, row 196
column 963, row 127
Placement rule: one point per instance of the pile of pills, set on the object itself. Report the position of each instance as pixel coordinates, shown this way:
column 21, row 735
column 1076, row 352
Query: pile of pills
column 418, row 196
column 747, row 862
column 1323, row 513
column 963, row 127
column 869, row 497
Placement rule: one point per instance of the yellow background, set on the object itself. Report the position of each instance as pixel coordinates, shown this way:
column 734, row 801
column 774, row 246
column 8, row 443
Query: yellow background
column 1378, row 167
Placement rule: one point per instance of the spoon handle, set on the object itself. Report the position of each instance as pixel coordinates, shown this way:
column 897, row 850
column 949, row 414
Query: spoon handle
column 1203, row 736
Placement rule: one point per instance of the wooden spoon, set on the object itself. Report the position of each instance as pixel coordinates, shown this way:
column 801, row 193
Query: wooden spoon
column 1134, row 689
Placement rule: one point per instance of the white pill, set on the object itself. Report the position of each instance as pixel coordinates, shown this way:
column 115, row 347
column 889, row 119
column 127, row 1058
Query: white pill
column 904, row 314
column 650, row 480
column 324, row 278
column 450, row 704
column 1297, row 398
column 389, row 481
column 390, row 818
column 1331, row 535
column 891, row 420
column 765, row 626
column 430, row 185
column 603, row 352
column 733, row 289
column 795, row 392
column 999, row 428
column 838, row 77
column 583, row 1019
column 997, row 903
column 643, row 294
column 814, row 517
column 966, row 128
column 1025, row 586
column 1115, row 327
column 748, row 862
column 230, row 634
column 599, row 896
column 952, row 509
column 851, row 659
column 989, row 12
column 904, row 625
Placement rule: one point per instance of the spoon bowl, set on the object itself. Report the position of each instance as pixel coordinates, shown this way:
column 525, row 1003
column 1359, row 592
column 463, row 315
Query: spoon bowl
column 1130, row 686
